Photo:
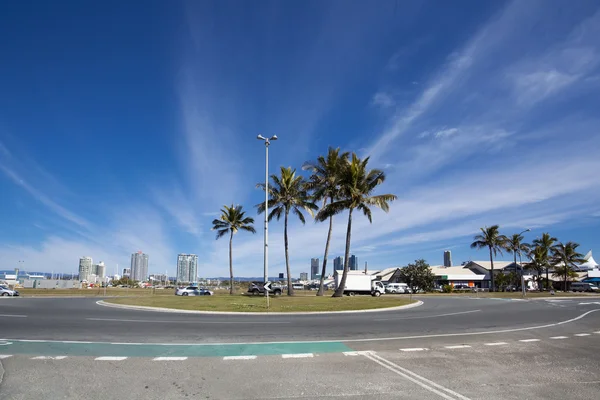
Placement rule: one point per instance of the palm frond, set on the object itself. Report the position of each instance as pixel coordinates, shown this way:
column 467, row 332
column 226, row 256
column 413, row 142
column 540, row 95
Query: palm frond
column 366, row 211
column 299, row 214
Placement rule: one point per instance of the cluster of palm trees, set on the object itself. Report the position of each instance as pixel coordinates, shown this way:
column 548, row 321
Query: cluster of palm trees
column 340, row 181
column 543, row 253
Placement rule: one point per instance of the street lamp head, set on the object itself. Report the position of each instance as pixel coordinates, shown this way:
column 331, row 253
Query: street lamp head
column 261, row 137
column 274, row 137
column 528, row 230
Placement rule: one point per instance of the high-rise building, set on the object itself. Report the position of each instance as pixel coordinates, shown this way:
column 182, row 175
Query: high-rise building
column 338, row 263
column 126, row 272
column 99, row 270
column 187, row 268
column 139, row 266
column 314, row 269
column 85, row 268
column 447, row 258
column 353, row 263
column 303, row 276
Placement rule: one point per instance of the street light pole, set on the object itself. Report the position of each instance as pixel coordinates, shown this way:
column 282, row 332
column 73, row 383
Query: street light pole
column 266, row 250
column 523, row 292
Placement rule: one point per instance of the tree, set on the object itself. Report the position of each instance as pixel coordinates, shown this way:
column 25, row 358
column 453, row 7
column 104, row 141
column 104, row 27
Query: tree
column 288, row 193
column 325, row 186
column 546, row 242
column 417, row 275
column 232, row 220
column 565, row 259
column 357, row 185
column 502, row 280
column 537, row 257
column 494, row 241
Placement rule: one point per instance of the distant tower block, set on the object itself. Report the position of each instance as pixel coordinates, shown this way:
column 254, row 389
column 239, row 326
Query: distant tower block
column 447, row 258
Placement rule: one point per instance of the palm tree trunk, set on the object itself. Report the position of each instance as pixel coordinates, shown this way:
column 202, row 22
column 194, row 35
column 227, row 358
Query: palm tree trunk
column 339, row 292
column 287, row 255
column 493, row 288
column 231, row 263
column 547, row 279
column 324, row 269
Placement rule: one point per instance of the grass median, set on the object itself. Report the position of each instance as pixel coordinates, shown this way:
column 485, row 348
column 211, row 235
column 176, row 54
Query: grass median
column 94, row 292
column 259, row 304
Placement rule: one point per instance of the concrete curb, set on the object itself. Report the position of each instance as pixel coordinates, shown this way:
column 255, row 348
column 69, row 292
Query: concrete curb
column 417, row 303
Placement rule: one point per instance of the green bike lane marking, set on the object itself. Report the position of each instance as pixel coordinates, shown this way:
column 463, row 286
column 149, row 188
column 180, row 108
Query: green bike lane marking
column 98, row 349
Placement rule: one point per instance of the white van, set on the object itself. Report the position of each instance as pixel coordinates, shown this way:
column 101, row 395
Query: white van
column 583, row 287
column 397, row 288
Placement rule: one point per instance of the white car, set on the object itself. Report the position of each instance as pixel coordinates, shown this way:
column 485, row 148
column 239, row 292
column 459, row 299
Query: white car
column 193, row 291
column 4, row 291
column 397, row 288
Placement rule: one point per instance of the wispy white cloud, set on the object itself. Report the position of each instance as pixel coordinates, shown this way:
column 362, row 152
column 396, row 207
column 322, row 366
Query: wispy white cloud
column 383, row 100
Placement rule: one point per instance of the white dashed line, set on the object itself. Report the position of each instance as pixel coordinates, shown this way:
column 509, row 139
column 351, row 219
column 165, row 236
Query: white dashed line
column 529, row 340
column 559, row 337
column 597, row 332
column 49, row 358
column 13, row 315
column 3, row 356
column 460, row 346
column 239, row 358
column 582, row 334
column 169, row 359
column 299, row 355
column 495, row 344
column 351, row 353
column 414, row 349
column 110, row 358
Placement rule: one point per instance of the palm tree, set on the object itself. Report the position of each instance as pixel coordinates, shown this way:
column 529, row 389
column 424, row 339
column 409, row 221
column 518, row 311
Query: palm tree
column 232, row 219
column 565, row 258
column 514, row 244
column 546, row 242
column 494, row 241
column 325, row 185
column 288, row 193
column 537, row 257
column 357, row 184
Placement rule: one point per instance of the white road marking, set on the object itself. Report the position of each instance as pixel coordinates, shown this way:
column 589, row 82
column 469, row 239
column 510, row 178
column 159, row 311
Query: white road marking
column 49, row 358
column 13, row 315
column 428, row 316
column 32, row 341
column 582, row 334
column 110, row 358
column 169, row 359
column 351, row 353
column 418, row 379
column 559, row 337
column 495, row 344
column 73, row 341
column 529, row 340
column 459, row 346
column 414, row 349
column 226, row 358
column 3, row 356
column 299, row 355
column 182, row 322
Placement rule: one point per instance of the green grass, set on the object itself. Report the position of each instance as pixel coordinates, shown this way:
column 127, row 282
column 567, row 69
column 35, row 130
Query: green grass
column 258, row 303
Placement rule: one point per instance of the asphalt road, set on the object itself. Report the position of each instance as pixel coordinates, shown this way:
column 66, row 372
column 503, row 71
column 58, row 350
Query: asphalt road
column 449, row 348
column 82, row 319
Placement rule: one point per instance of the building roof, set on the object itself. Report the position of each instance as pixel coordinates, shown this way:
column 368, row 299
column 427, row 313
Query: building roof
column 455, row 270
column 498, row 265
column 589, row 263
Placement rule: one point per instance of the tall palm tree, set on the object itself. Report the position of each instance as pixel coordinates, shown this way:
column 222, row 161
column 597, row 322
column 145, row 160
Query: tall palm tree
column 514, row 244
column 232, row 220
column 357, row 184
column 546, row 242
column 537, row 262
column 288, row 193
column 494, row 241
column 565, row 258
column 325, row 186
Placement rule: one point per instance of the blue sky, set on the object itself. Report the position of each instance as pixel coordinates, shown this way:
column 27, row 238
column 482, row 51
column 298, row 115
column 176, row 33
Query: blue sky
column 126, row 128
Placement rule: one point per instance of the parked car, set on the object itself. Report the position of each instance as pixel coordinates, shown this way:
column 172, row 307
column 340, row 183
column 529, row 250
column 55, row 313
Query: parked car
column 257, row 288
column 397, row 288
column 4, row 291
column 193, row 291
column 583, row 287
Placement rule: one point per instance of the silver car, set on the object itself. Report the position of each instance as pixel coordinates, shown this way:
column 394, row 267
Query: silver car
column 4, row 291
column 193, row 291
